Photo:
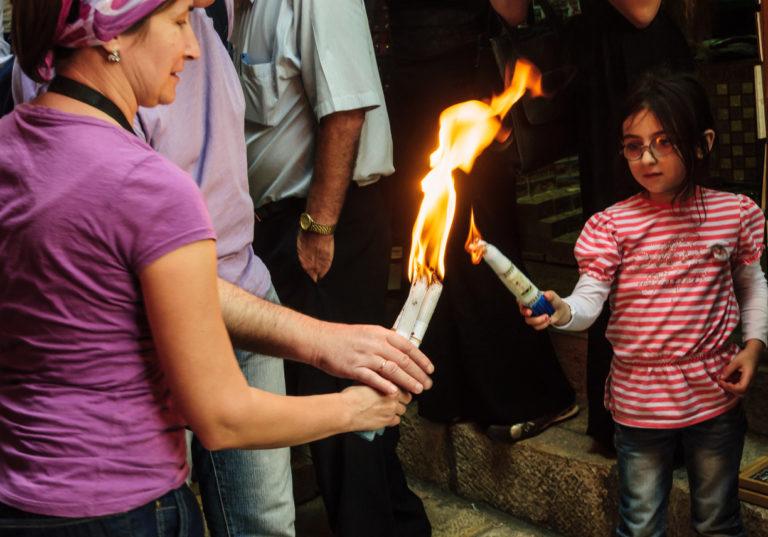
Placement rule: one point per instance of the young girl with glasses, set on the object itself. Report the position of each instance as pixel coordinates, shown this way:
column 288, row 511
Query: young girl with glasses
column 680, row 265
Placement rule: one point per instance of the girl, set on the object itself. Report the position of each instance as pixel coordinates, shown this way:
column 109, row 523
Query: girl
column 679, row 264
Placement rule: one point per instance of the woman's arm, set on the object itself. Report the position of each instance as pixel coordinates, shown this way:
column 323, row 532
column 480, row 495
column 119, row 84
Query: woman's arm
column 512, row 11
column 640, row 13
column 182, row 304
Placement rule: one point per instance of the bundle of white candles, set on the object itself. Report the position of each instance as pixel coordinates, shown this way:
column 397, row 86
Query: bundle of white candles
column 418, row 309
column 414, row 318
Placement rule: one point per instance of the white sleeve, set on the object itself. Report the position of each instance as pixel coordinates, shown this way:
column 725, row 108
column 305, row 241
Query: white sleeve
column 338, row 64
column 586, row 302
column 752, row 295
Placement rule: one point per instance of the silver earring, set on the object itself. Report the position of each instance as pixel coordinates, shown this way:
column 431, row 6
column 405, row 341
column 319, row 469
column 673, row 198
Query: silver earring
column 114, row 56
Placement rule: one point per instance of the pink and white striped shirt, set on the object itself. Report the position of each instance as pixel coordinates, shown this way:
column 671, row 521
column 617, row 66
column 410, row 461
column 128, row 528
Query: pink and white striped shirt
column 673, row 305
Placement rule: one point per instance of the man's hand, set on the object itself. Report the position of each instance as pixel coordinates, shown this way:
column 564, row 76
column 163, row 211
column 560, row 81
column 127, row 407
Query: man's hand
column 315, row 253
column 373, row 355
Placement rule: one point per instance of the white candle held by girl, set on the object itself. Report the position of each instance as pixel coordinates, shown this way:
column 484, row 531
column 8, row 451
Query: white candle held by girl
column 517, row 282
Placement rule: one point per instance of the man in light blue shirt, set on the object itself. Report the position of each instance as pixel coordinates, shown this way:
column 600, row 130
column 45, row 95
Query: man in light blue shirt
column 319, row 145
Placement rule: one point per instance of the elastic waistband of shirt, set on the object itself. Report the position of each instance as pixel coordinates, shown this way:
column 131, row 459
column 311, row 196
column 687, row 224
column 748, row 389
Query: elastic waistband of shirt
column 670, row 359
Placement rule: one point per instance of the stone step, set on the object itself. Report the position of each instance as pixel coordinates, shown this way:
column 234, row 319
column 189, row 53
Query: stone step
column 553, row 480
column 562, row 172
column 537, row 234
column 557, row 251
column 560, row 249
column 448, row 514
column 548, row 203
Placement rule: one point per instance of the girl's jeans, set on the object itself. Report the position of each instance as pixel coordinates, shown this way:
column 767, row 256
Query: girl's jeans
column 712, row 456
column 175, row 514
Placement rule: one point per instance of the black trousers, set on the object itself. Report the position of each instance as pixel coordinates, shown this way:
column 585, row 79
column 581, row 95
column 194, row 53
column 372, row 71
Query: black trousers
column 599, row 355
column 490, row 367
column 362, row 482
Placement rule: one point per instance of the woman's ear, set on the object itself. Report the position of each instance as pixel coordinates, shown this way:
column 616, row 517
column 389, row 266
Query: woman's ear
column 709, row 138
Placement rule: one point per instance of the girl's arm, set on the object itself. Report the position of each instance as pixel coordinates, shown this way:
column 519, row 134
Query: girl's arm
column 752, row 295
column 575, row 312
column 206, row 383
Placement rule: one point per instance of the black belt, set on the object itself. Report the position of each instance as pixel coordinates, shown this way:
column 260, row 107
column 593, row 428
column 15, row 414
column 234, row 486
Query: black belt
column 275, row 207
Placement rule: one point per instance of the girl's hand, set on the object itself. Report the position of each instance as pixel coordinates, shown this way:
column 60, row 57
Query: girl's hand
column 736, row 376
column 561, row 316
column 371, row 410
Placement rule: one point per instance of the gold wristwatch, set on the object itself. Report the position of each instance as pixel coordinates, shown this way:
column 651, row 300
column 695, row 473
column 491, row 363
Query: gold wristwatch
column 307, row 224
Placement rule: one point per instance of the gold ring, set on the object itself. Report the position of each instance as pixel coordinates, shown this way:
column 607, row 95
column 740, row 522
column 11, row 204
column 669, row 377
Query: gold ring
column 383, row 363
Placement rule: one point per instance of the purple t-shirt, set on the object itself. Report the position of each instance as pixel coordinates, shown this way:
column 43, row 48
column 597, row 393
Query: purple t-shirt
column 87, row 426
column 202, row 132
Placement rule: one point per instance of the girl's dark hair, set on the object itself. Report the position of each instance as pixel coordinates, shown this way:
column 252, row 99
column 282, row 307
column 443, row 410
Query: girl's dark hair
column 680, row 103
column 33, row 27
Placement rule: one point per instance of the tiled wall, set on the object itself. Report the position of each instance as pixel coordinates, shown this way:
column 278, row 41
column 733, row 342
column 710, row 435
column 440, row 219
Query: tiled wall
column 738, row 158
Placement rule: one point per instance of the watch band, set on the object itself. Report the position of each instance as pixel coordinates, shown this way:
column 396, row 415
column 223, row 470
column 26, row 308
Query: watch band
column 322, row 229
column 308, row 224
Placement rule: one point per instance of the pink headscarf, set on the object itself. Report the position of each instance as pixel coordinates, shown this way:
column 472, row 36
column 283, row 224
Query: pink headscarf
column 98, row 21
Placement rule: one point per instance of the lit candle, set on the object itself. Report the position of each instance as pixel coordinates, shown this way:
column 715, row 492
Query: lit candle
column 428, row 305
column 517, row 282
column 410, row 311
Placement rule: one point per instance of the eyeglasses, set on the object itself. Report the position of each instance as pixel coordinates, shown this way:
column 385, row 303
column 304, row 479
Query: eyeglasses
column 660, row 146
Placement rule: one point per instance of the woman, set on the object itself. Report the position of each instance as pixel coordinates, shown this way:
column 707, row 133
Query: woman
column 110, row 329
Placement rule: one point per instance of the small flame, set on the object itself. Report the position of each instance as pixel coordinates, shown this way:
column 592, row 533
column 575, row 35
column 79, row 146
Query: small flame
column 465, row 130
column 474, row 245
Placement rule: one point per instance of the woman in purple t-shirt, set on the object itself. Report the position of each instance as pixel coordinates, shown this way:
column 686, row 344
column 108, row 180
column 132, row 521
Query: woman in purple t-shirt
column 111, row 335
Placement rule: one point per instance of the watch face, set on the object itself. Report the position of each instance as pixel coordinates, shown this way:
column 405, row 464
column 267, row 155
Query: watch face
column 305, row 221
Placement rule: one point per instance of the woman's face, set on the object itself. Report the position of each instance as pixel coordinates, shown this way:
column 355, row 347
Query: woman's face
column 660, row 176
column 153, row 56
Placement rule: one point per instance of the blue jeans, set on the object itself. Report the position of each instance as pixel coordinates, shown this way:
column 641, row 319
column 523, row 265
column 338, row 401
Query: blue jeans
column 175, row 514
column 248, row 492
column 712, row 456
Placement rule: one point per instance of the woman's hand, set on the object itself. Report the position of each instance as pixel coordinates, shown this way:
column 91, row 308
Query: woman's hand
column 371, row 410
column 561, row 316
column 737, row 375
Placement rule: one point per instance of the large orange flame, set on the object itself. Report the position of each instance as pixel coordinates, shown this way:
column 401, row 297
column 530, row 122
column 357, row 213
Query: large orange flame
column 465, row 130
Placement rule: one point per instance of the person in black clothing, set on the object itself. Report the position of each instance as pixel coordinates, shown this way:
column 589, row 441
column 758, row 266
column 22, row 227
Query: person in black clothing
column 490, row 367
column 6, row 68
column 613, row 42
